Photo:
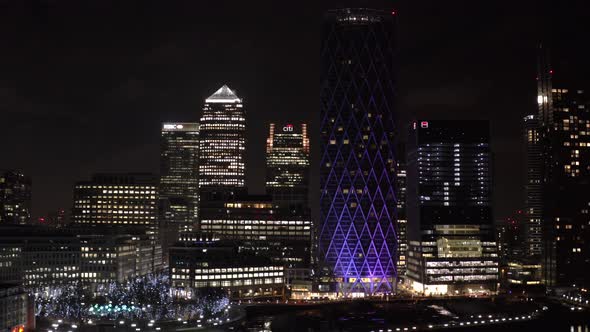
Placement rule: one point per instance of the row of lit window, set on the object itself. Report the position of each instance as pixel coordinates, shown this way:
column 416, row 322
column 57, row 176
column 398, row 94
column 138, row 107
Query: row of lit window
column 237, row 283
column 136, row 187
column 256, row 222
column 462, row 271
column 461, row 264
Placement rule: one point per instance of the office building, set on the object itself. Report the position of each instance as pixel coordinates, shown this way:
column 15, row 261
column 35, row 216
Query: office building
column 108, row 258
column 518, row 269
column 41, row 257
column 287, row 165
column 179, row 169
column 567, row 182
column 15, row 198
column 452, row 248
column 17, row 313
column 222, row 141
column 282, row 235
column 38, row 257
column 179, row 181
column 564, row 123
column 357, row 229
column 533, row 188
column 123, row 203
column 402, row 220
column 202, row 262
column 117, row 200
column 523, row 275
column 510, row 238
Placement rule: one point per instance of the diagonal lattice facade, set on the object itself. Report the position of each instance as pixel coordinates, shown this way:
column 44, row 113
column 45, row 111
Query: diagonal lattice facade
column 357, row 233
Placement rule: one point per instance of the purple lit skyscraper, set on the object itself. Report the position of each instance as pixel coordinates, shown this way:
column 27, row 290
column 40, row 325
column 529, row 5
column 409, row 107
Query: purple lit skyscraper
column 357, row 234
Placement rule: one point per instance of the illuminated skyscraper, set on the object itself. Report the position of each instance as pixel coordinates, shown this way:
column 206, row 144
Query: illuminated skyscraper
column 533, row 188
column 179, row 181
column 15, row 198
column 222, row 142
column 452, row 248
column 564, row 123
column 402, row 219
column 357, row 235
column 287, row 165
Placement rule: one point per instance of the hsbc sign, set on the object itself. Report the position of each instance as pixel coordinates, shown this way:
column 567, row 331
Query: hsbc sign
column 173, row 126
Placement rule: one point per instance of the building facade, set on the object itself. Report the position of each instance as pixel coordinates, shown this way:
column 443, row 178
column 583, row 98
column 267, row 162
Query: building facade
column 123, row 203
column 357, row 232
column 533, row 139
column 179, row 170
column 203, row 262
column 287, row 165
column 108, row 258
column 117, row 200
column 41, row 257
column 279, row 234
column 15, row 198
column 452, row 248
column 564, row 126
column 222, row 143
column 16, row 309
column 37, row 257
column 566, row 184
column 402, row 219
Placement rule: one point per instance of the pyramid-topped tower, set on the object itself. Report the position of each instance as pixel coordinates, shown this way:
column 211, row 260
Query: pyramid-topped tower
column 222, row 142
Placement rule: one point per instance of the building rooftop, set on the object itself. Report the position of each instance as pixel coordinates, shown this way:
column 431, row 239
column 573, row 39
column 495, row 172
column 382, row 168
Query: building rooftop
column 224, row 95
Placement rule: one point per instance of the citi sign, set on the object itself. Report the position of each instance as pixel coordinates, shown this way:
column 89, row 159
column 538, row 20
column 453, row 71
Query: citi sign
column 288, row 128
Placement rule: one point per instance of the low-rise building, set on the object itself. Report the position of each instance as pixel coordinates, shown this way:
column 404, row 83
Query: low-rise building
column 207, row 263
column 40, row 257
column 36, row 257
column 280, row 234
column 16, row 309
column 106, row 259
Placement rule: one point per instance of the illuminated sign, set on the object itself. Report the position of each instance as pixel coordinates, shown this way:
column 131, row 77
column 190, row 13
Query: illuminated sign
column 424, row 124
column 173, row 126
column 288, row 128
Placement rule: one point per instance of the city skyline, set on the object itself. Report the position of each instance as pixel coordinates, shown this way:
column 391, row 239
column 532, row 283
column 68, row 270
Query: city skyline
column 169, row 79
column 167, row 167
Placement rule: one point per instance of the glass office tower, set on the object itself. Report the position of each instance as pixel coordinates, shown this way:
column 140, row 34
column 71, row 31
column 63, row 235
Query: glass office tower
column 287, row 165
column 357, row 235
column 179, row 181
column 452, row 248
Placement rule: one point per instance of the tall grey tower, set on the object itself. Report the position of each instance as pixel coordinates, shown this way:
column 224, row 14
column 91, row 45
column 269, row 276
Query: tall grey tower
column 179, row 185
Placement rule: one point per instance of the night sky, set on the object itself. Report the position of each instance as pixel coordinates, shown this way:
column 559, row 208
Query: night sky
column 85, row 87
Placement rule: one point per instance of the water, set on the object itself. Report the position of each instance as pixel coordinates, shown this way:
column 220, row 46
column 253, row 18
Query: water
column 366, row 317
